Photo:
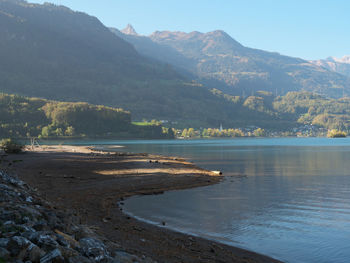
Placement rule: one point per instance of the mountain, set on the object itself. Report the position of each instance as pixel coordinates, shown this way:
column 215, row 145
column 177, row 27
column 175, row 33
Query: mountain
column 52, row 52
column 339, row 65
column 219, row 61
column 129, row 30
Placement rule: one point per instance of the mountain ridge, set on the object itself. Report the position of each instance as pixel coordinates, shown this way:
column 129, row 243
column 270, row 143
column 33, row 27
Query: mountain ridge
column 55, row 53
column 339, row 65
column 219, row 61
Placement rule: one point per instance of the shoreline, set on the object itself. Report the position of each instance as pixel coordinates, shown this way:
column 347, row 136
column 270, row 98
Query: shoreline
column 92, row 183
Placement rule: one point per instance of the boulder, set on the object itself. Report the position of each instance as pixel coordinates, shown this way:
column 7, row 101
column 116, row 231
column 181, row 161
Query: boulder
column 47, row 242
column 93, row 249
column 54, row 256
column 17, row 244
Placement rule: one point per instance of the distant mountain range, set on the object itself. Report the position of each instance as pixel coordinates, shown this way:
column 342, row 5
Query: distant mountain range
column 52, row 52
column 188, row 79
column 219, row 61
column 339, row 65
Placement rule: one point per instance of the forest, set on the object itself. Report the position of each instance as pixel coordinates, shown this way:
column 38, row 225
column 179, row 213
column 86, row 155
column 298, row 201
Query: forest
column 23, row 117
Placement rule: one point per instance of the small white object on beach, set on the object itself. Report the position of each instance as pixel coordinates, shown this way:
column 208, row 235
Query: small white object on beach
column 217, row 172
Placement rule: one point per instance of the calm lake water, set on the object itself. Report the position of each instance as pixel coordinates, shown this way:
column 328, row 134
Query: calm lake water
column 288, row 198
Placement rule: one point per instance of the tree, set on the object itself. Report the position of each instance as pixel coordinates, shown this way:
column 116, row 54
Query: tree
column 70, row 131
column 334, row 133
column 191, row 132
column 259, row 132
column 46, row 131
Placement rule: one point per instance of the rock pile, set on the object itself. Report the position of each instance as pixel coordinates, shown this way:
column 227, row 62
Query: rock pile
column 31, row 230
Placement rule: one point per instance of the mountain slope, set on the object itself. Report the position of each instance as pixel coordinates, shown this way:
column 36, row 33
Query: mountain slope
column 339, row 65
column 51, row 52
column 220, row 61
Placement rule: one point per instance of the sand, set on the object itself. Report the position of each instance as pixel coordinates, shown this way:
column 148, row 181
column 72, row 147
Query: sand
column 91, row 183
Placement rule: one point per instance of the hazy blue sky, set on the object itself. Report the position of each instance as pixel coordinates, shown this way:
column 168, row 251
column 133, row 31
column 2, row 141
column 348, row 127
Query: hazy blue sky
column 310, row 29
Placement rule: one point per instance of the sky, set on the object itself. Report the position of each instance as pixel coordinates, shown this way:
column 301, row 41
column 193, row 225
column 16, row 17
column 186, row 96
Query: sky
column 309, row 29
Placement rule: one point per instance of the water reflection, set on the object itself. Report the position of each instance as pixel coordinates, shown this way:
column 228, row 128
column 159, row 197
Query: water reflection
column 289, row 201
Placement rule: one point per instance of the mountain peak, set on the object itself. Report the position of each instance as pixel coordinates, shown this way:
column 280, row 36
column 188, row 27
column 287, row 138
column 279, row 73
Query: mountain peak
column 344, row 59
column 129, row 30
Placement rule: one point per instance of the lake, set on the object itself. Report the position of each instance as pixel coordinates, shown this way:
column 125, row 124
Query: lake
column 288, row 198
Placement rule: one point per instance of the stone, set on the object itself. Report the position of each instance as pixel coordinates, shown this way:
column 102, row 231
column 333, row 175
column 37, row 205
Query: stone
column 35, row 254
column 62, row 242
column 34, row 237
column 68, row 252
column 29, row 199
column 41, row 226
column 93, row 248
column 66, row 240
column 54, row 256
column 4, row 242
column 16, row 245
column 46, row 242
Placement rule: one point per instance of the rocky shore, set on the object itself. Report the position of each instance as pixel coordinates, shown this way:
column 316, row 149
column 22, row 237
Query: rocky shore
column 32, row 230
column 66, row 206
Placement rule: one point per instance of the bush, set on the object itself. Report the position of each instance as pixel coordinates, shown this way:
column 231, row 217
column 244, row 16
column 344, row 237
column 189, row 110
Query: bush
column 336, row 134
column 10, row 146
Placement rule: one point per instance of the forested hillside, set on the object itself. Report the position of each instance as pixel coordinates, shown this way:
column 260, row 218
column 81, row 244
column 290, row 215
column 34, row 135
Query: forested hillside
column 314, row 109
column 52, row 52
column 32, row 117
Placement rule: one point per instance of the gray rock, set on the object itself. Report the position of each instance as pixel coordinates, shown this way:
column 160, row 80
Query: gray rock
column 27, row 230
column 11, row 179
column 4, row 187
column 62, row 242
column 34, row 213
column 94, row 249
column 35, row 254
column 41, row 226
column 34, row 236
column 46, row 242
column 68, row 252
column 10, row 215
column 54, row 256
column 4, row 242
column 17, row 244
column 9, row 223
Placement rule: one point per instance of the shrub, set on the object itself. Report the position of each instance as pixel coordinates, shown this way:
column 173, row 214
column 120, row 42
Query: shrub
column 10, row 146
column 336, row 134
